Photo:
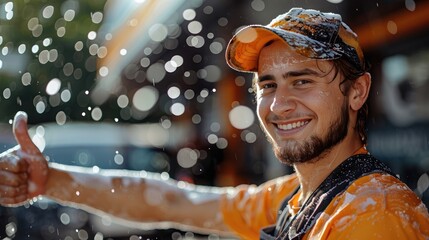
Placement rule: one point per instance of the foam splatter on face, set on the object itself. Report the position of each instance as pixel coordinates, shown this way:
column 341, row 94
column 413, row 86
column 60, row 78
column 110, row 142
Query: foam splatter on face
column 282, row 59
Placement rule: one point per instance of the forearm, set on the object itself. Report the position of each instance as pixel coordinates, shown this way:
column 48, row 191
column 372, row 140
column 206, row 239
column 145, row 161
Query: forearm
column 136, row 196
column 119, row 193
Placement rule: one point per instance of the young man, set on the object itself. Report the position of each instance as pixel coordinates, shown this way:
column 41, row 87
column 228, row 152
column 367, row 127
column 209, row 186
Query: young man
column 311, row 84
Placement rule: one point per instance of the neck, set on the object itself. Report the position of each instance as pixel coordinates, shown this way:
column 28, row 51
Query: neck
column 311, row 174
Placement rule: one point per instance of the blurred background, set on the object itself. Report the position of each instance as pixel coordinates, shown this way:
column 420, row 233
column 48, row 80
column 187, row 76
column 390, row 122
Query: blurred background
column 143, row 85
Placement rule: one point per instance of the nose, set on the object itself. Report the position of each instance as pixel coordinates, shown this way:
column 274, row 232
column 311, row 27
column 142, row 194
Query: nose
column 282, row 104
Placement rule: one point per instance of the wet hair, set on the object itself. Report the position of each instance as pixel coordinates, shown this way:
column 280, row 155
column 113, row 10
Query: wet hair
column 350, row 72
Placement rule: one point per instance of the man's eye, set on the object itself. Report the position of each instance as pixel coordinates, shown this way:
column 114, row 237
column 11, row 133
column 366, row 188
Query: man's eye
column 268, row 85
column 302, row 82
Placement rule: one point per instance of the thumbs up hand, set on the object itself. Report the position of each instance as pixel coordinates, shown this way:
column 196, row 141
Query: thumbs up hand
column 23, row 169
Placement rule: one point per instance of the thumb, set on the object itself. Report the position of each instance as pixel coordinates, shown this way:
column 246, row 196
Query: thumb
column 20, row 131
column 37, row 164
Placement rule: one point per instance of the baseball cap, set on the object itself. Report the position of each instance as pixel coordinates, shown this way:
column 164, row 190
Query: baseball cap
column 311, row 33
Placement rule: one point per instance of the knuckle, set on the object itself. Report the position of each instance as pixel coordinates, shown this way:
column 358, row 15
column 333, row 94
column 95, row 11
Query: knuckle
column 7, row 192
column 12, row 179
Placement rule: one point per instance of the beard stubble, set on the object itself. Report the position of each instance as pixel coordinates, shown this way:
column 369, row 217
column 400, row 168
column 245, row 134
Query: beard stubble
column 313, row 148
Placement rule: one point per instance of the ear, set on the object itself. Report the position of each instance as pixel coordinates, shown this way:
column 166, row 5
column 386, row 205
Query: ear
column 359, row 91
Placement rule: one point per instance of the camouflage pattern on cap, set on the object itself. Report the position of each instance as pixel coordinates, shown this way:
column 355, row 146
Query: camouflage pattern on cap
column 309, row 32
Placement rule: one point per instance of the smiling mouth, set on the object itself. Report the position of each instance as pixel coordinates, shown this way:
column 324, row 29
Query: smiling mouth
column 291, row 126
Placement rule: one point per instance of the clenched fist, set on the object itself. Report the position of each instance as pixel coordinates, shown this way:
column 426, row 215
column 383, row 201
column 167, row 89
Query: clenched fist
column 23, row 169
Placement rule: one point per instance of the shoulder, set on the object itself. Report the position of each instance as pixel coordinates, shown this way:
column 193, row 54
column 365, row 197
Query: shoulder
column 380, row 191
column 380, row 203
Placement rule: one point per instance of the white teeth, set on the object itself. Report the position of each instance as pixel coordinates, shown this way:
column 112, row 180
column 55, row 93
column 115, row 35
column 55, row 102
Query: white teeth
column 290, row 126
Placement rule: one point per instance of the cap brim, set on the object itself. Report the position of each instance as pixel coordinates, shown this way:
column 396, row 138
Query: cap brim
column 242, row 52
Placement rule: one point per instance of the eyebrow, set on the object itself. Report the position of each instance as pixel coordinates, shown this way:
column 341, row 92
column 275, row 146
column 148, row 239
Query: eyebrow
column 299, row 73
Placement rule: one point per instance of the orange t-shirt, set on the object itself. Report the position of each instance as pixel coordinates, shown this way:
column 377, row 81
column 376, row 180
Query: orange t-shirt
column 376, row 206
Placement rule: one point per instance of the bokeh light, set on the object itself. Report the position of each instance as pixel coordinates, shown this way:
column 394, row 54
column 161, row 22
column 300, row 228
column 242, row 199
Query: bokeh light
column 241, row 117
column 145, row 98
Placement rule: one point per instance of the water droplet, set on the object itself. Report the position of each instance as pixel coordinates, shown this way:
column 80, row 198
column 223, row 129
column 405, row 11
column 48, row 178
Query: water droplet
column 392, row 27
column 410, row 5
column 145, row 62
column 103, row 71
column 93, row 49
column 92, row 35
column 212, row 138
column 249, row 137
column 145, row 98
column 95, row 169
column 96, row 114
column 195, row 27
column 97, row 17
column 65, row 95
column 47, row 41
column 83, row 234
column 187, row 157
column 258, row 5
column 99, row 236
column 215, row 127
column 423, row 183
column 53, row 86
column 189, row 94
column 170, row 67
column 122, row 101
column 196, row 119
column 78, row 46
column 335, row 1
column 10, row 229
column 22, row 48
column 222, row 143
column 65, row 218
column 60, row 118
column 155, row 73
column 213, row 73
column 32, row 23
column 208, row 10
column 40, row 106
column 26, row 79
column 177, row 60
column 118, row 159
column 173, row 92
column 216, row 47
column 241, row 117
column 61, row 31
column 158, row 32
column 195, row 41
column 177, row 109
column 69, row 15
column 189, row 14
column 222, row 22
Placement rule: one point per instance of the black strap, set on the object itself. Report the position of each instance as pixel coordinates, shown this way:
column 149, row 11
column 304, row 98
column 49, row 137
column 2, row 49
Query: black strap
column 294, row 228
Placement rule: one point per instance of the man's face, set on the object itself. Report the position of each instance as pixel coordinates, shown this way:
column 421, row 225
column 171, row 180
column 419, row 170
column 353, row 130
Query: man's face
column 299, row 104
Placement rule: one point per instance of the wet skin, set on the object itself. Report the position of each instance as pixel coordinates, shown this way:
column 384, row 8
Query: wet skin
column 298, row 100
